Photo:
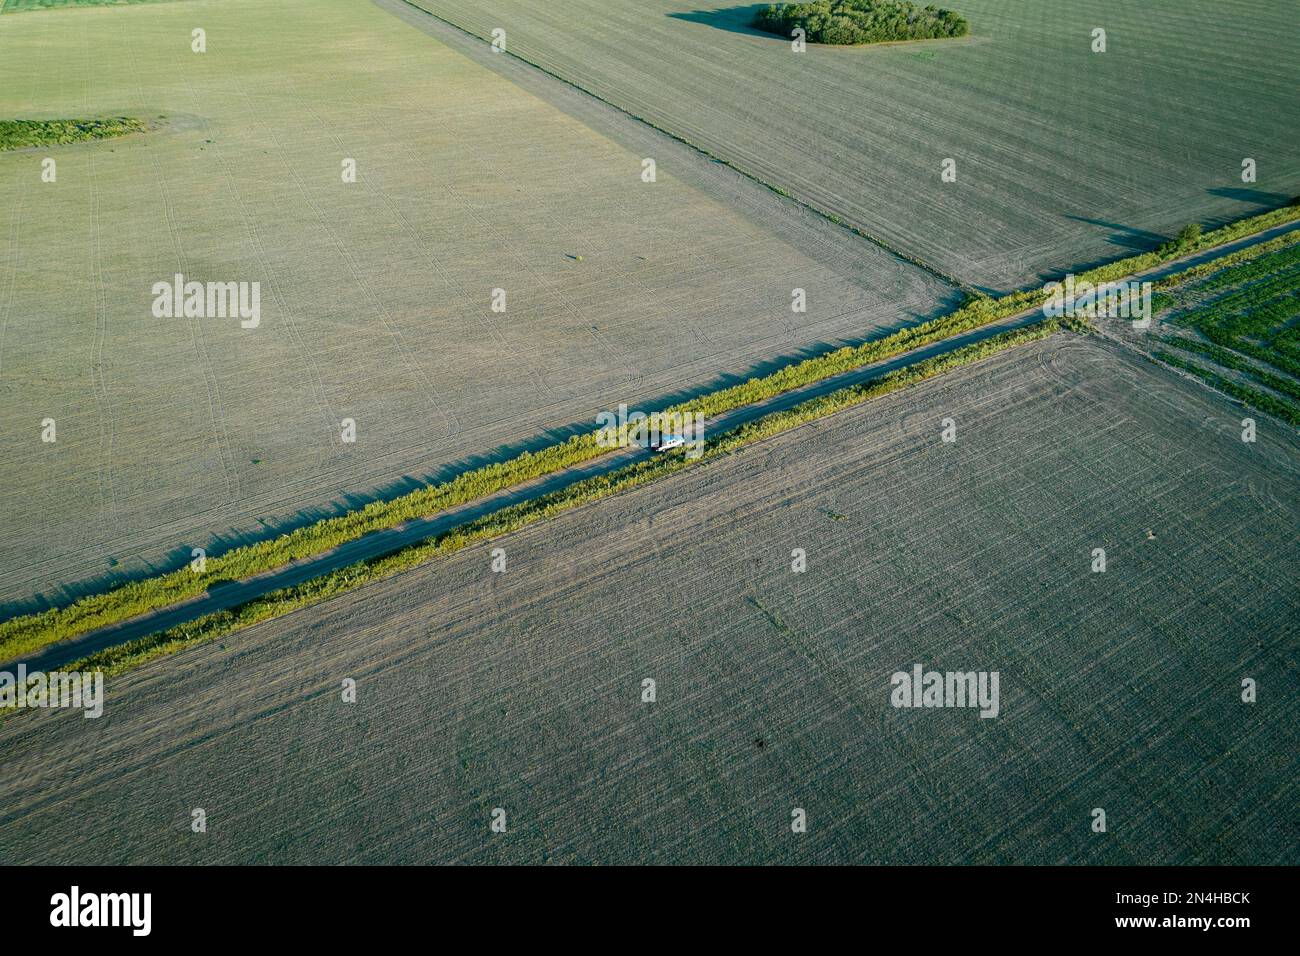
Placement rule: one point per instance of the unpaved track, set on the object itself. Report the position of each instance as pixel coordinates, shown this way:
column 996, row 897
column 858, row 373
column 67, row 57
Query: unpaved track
column 522, row 690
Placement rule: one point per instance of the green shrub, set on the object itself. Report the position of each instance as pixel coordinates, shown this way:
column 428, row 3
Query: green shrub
column 1185, row 240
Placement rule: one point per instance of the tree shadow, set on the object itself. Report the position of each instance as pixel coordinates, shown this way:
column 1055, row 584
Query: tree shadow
column 1257, row 196
column 265, row 529
column 1143, row 240
column 1127, row 237
column 730, row 19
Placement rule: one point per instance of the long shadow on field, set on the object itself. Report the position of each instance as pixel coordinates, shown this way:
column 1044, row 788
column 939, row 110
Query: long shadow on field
column 731, row 19
column 1050, row 275
column 1257, row 196
column 267, row 529
column 1128, row 237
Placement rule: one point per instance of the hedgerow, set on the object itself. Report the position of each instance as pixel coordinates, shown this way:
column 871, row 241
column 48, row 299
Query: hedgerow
column 20, row 134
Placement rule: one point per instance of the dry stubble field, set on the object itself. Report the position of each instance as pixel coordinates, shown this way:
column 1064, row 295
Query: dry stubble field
column 174, row 433
column 521, row 690
column 1064, row 156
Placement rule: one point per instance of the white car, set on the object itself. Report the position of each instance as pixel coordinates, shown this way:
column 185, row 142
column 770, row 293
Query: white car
column 667, row 442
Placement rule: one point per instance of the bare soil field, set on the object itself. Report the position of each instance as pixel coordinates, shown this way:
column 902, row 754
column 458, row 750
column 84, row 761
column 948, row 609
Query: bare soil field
column 522, row 690
column 375, row 295
column 1063, row 156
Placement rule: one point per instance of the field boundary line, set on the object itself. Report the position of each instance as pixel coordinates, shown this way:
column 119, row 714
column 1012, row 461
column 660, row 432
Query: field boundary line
column 781, row 191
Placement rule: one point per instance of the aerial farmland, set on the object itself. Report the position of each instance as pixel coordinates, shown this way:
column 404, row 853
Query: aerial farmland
column 617, row 432
column 376, row 299
column 538, row 684
column 1062, row 156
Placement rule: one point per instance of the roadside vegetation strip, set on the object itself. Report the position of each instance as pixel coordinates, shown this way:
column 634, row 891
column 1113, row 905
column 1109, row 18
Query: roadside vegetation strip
column 861, row 21
column 24, row 635
column 1242, row 298
column 21, row 134
column 1236, row 267
column 1170, row 251
column 1284, row 252
column 115, row 660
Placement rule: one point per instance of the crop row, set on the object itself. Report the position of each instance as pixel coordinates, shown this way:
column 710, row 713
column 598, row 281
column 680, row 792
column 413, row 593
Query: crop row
column 1259, row 298
column 1253, row 397
column 1242, row 330
column 1244, row 299
column 1250, row 270
column 1234, row 360
column 1194, row 274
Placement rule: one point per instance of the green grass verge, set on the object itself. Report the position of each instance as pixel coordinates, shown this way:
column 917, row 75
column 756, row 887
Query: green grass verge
column 1284, row 256
column 512, row 518
column 21, row 636
column 20, row 134
column 1190, row 277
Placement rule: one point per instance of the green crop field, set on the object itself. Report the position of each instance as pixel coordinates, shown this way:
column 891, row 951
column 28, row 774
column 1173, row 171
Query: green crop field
column 1063, row 156
column 1238, row 328
column 174, row 433
column 1119, row 690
